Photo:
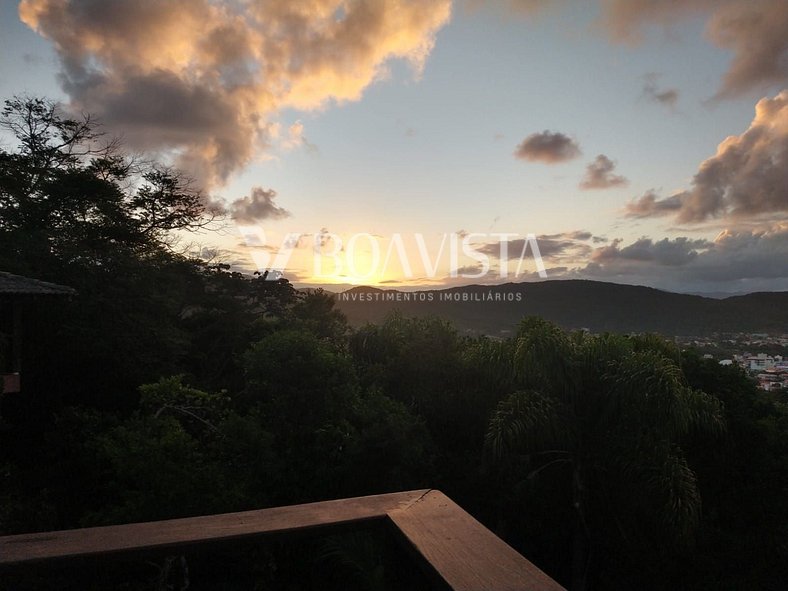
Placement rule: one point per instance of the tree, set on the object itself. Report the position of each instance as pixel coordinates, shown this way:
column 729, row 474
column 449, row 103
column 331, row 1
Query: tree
column 743, row 541
column 67, row 197
column 75, row 209
column 316, row 312
column 606, row 416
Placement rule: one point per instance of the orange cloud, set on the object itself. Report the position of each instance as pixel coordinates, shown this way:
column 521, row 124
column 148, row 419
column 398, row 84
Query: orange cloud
column 745, row 179
column 203, row 80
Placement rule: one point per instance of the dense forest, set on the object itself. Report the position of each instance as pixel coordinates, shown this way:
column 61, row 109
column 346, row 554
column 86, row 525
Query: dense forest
column 171, row 387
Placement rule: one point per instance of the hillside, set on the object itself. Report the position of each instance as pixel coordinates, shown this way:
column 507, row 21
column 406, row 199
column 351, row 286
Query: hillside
column 595, row 305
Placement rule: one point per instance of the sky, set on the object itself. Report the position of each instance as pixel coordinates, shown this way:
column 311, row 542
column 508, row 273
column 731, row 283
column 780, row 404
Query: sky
column 427, row 142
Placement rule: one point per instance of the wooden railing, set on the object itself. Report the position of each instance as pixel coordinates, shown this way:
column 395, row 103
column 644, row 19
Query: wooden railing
column 456, row 550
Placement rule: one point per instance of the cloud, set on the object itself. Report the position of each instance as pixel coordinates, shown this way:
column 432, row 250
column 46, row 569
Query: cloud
column 746, row 178
column 599, row 175
column 651, row 91
column 550, row 272
column 257, row 206
column 736, row 260
column 469, row 269
column 755, row 31
column 32, row 59
column 650, row 205
column 575, row 235
column 678, row 251
column 551, row 246
column 756, row 254
column 295, row 138
column 527, row 8
column 549, row 147
column 624, row 20
column 201, row 81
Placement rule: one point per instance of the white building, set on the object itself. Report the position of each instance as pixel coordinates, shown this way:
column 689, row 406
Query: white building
column 760, row 361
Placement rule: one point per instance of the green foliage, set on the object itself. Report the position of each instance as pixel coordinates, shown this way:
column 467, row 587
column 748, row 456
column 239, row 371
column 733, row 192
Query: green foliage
column 606, row 415
column 194, row 408
column 527, row 419
column 421, row 362
column 615, row 461
column 392, row 449
column 326, row 432
column 299, row 379
column 742, row 479
column 75, row 210
column 316, row 313
column 158, row 471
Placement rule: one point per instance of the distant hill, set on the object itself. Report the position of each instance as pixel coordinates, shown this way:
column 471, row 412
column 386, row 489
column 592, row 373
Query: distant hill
column 575, row 304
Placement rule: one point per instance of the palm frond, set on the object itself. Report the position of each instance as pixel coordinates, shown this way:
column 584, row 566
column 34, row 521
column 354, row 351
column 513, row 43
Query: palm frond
column 682, row 497
column 705, row 413
column 647, row 389
column 526, row 421
column 543, row 357
column 658, row 477
column 655, row 343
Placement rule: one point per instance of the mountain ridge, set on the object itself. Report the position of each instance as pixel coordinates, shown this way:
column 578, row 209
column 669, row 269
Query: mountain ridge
column 575, row 303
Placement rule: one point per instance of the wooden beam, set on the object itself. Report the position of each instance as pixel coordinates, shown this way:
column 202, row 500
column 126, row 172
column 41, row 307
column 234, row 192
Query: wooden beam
column 463, row 553
column 458, row 551
column 103, row 541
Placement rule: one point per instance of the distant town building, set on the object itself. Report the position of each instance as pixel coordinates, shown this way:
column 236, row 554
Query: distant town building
column 760, row 361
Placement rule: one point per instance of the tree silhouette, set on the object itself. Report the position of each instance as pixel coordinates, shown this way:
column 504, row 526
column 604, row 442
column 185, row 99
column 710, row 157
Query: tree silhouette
column 68, row 193
column 606, row 415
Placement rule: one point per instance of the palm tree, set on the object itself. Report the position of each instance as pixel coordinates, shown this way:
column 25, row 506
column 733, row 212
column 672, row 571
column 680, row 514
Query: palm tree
column 606, row 413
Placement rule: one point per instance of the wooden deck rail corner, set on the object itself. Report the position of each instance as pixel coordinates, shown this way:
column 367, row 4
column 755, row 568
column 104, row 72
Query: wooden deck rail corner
column 456, row 549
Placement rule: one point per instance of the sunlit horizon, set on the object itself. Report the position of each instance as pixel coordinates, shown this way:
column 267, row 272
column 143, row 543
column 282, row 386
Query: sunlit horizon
column 608, row 130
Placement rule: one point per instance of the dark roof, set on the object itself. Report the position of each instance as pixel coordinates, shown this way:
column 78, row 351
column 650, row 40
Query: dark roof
column 17, row 285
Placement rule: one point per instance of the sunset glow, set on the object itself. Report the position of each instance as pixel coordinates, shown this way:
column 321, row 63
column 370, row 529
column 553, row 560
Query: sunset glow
column 612, row 131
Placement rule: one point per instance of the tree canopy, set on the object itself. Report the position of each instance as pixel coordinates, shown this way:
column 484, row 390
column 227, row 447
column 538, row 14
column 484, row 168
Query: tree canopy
column 169, row 386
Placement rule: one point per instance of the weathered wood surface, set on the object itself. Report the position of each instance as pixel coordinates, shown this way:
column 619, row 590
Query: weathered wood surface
column 463, row 553
column 98, row 541
column 455, row 548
